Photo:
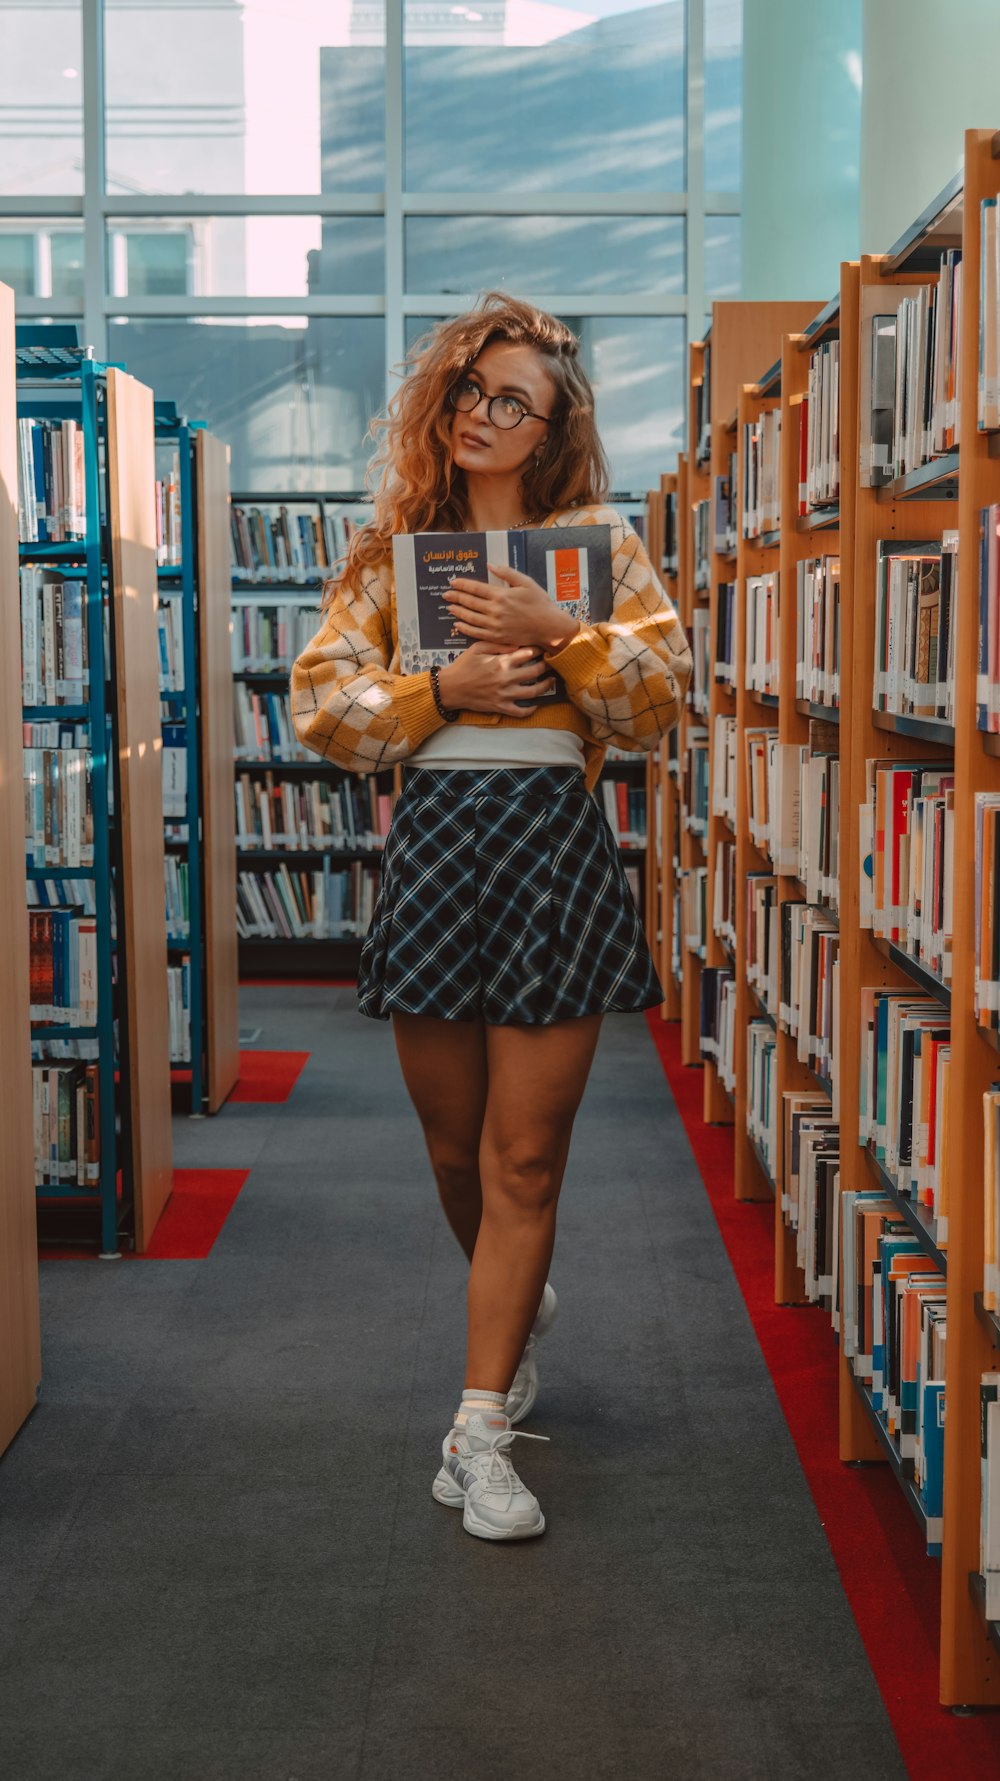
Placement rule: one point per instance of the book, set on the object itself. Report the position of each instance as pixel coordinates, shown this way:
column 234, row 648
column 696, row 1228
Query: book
column 572, row 563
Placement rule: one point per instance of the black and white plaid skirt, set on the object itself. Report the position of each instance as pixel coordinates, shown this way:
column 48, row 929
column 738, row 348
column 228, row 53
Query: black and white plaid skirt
column 503, row 896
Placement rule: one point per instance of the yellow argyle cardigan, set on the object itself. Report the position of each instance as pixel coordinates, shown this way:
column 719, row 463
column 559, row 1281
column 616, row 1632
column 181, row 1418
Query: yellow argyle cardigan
column 626, row 679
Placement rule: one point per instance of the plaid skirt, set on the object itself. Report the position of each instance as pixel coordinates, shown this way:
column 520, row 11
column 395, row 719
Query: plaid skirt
column 503, row 897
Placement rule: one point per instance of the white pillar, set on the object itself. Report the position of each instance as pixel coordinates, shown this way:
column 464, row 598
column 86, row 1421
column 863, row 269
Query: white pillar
column 801, row 129
column 931, row 69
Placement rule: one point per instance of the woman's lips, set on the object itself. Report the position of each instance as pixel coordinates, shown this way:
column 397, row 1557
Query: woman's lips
column 476, row 440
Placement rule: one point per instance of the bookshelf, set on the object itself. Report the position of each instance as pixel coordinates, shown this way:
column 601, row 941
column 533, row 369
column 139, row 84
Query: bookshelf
column 280, row 882
column 200, row 838
column 663, row 859
column 116, row 1061
column 20, row 1351
column 916, row 505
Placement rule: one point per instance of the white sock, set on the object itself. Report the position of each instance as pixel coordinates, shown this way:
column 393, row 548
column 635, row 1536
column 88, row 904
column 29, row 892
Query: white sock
column 474, row 1399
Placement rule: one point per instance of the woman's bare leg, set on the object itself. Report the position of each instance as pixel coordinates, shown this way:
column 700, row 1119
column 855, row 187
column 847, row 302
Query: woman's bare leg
column 536, row 1079
column 444, row 1068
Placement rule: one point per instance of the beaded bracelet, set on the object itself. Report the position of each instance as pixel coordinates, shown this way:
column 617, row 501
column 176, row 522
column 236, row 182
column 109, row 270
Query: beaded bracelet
column 450, row 717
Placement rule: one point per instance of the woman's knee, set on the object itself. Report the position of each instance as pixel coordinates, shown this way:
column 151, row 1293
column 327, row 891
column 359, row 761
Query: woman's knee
column 456, row 1169
column 522, row 1178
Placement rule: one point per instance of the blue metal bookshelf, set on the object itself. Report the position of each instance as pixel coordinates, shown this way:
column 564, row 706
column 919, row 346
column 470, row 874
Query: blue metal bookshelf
column 67, row 384
column 179, row 582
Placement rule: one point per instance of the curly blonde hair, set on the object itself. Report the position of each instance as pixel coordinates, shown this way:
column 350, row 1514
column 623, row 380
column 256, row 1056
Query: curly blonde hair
column 415, row 485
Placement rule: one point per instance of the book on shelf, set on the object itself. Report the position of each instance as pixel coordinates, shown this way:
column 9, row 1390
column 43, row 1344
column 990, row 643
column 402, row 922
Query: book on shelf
column 761, row 745
column 915, row 604
column 988, row 655
column 263, row 726
column 572, row 564
column 179, row 1011
column 285, row 902
column 694, row 896
column 167, row 497
column 51, row 489
column 170, row 640
column 905, row 1087
column 761, row 493
column 762, row 668
column 809, row 1189
column 819, row 430
column 988, row 378
column 817, row 616
column 285, row 541
column 702, row 546
column 725, row 518
column 65, row 1115
column 694, row 781
column 907, row 832
column 725, row 634
column 624, row 808
column 717, row 1020
column 989, row 1463
column 669, row 563
column 54, row 646
column 724, row 892
column 991, row 1199
column 58, row 795
column 913, row 409
column 762, row 1093
column 310, row 814
column 703, row 410
column 761, row 938
column 724, row 746
column 267, row 638
column 701, row 643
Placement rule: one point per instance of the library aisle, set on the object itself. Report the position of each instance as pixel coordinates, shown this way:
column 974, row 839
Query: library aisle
column 219, row 1555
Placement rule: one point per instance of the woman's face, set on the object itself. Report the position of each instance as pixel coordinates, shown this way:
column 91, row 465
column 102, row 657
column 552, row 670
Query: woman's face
column 503, row 369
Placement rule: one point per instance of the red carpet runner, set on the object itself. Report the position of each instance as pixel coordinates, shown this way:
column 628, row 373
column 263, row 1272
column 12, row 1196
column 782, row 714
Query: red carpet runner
column 267, row 1075
column 893, row 1588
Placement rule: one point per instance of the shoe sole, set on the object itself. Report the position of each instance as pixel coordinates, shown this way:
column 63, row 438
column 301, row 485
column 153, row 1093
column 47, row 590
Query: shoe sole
column 445, row 1491
column 483, row 1531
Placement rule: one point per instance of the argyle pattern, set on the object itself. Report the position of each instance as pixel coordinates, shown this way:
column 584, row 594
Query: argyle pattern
column 625, row 679
column 503, row 896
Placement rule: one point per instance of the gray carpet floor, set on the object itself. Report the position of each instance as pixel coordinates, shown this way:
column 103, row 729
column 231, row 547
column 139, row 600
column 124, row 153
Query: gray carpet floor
column 219, row 1555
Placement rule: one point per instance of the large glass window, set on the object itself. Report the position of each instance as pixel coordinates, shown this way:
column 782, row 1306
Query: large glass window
column 247, row 256
column 522, row 254
column 41, row 98
column 292, row 396
column 265, row 156
column 723, row 94
column 540, row 98
column 255, row 96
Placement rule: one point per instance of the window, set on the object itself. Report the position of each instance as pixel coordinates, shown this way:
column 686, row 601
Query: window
column 292, row 396
column 544, row 98
column 286, row 202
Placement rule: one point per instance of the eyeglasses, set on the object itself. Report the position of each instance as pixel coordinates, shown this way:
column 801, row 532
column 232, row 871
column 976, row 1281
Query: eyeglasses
column 504, row 411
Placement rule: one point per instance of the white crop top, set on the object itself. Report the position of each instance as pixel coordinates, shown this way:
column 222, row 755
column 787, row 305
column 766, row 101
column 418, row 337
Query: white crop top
column 468, row 745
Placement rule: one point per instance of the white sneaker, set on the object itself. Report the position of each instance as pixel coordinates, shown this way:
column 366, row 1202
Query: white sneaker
column 478, row 1475
column 524, row 1385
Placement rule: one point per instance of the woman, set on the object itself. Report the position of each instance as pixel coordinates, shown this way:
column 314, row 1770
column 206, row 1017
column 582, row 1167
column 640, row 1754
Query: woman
column 504, row 926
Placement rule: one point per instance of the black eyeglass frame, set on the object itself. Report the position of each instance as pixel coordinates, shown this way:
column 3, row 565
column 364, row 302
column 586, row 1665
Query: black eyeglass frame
column 525, row 414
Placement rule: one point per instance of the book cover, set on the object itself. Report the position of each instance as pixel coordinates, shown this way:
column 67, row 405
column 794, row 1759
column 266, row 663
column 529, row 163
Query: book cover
column 573, row 564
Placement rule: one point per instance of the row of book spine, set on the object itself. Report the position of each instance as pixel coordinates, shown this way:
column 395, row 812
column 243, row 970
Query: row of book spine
column 907, row 850
column 762, row 667
column 905, row 1084
column 51, row 490
column 58, row 801
column 263, row 726
column 700, row 640
column 725, row 510
column 761, row 492
column 54, row 647
column 287, row 903
column 65, row 1113
column 819, row 431
column 310, row 814
column 179, row 1011
column 914, row 377
column 916, row 601
column 817, row 620
column 268, row 639
column 625, row 810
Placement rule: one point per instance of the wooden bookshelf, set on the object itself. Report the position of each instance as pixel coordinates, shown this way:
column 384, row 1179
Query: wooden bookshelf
column 115, row 560
column 664, row 791
column 215, row 690
column 20, row 1351
column 943, row 495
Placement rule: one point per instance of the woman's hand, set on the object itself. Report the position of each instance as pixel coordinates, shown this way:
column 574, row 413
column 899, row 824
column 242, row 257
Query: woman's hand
column 519, row 608
column 481, row 679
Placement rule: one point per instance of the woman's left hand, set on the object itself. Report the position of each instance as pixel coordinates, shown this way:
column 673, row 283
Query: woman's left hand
column 519, row 609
